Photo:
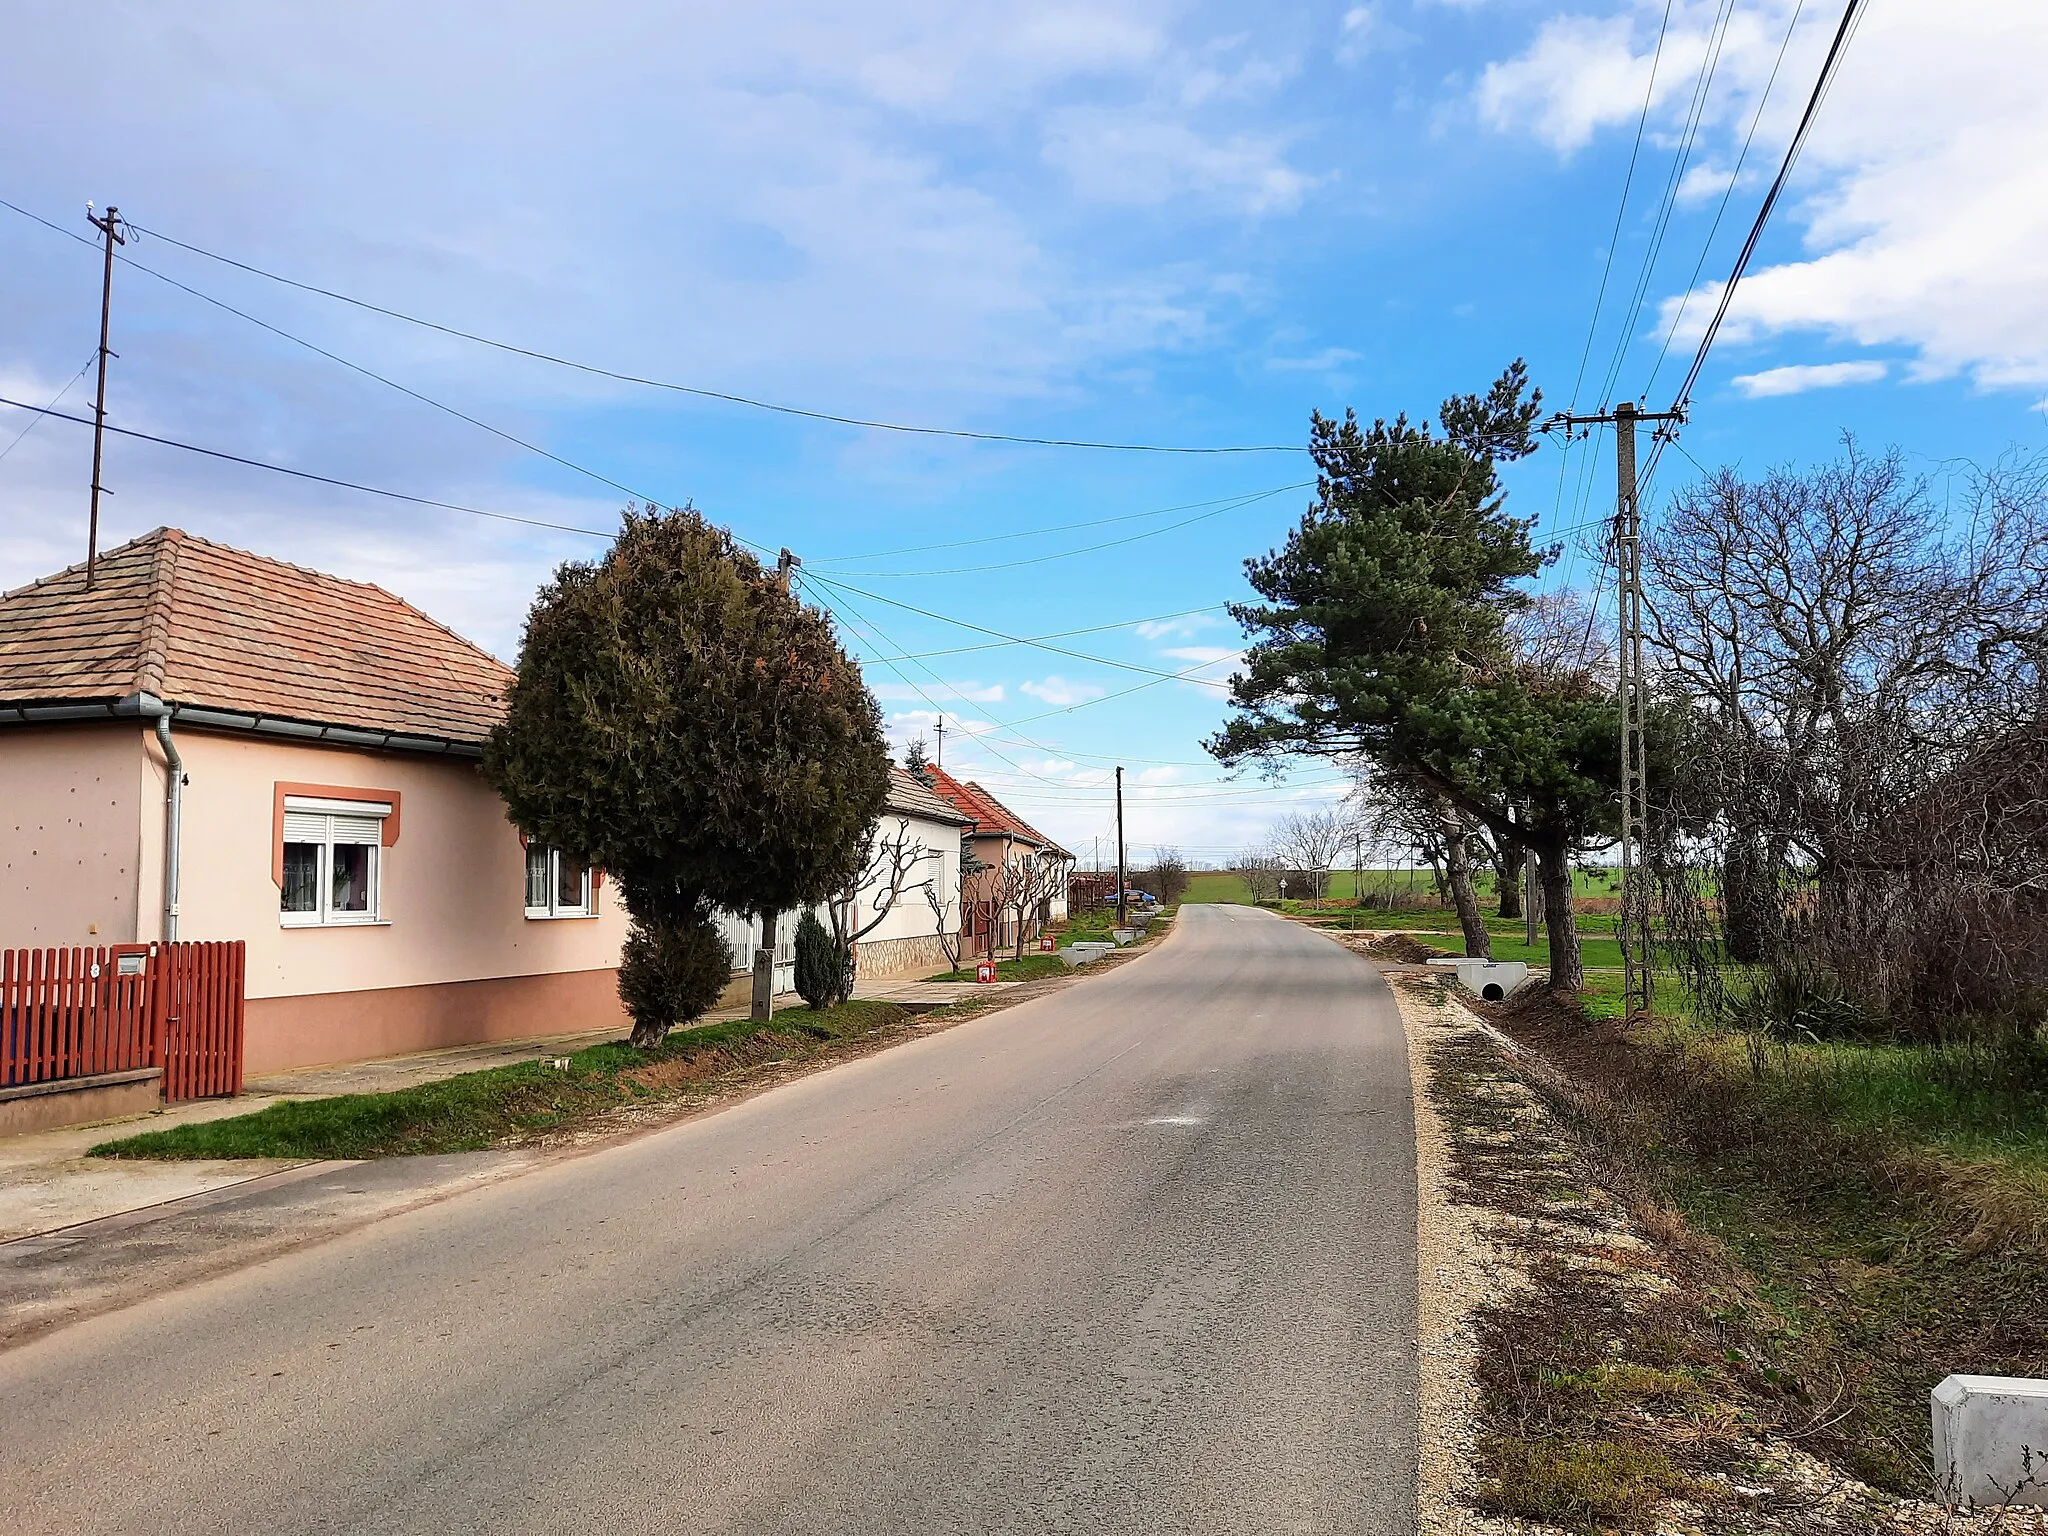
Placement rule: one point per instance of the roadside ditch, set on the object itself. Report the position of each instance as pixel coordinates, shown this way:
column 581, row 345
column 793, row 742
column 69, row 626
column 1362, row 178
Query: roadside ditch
column 1603, row 1351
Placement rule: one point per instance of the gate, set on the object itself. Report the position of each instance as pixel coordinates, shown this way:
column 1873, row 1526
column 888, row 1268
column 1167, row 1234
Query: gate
column 75, row 1013
column 199, row 1003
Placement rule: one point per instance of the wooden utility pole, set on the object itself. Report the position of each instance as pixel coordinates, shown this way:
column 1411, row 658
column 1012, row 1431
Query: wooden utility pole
column 1637, row 945
column 1123, row 894
column 110, row 226
column 785, row 564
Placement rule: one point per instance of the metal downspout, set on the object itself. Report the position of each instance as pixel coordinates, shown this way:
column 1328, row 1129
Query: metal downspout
column 174, row 811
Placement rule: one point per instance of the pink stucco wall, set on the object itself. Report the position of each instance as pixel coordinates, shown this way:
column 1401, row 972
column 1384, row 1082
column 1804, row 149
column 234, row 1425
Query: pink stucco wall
column 453, row 885
column 72, row 855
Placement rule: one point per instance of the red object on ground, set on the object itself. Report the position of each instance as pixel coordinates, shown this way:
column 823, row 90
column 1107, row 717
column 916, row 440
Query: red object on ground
column 984, row 970
column 1046, row 944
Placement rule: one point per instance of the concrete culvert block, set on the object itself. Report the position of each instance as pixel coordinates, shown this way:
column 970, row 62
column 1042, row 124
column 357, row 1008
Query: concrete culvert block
column 1991, row 1441
column 1492, row 979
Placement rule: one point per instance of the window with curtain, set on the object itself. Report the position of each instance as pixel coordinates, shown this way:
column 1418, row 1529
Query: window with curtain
column 333, row 857
column 558, row 884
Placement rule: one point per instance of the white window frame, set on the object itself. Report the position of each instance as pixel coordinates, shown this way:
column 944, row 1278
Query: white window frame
column 554, row 911
column 323, row 914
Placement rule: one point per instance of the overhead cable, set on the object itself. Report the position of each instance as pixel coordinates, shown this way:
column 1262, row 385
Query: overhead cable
column 726, row 396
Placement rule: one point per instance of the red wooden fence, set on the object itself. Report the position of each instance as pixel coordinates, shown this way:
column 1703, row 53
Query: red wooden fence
column 72, row 1013
column 78, row 1012
column 199, row 999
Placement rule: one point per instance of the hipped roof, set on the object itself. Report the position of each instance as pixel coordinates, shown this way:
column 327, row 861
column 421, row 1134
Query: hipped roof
column 199, row 624
column 988, row 814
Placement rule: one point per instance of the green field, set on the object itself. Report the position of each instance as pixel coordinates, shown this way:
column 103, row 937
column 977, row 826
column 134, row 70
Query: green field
column 1213, row 885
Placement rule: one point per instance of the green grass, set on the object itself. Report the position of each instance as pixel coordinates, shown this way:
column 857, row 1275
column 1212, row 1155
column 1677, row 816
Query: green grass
column 1030, row 968
column 1222, row 886
column 1887, row 1204
column 1581, row 1485
column 488, row 1108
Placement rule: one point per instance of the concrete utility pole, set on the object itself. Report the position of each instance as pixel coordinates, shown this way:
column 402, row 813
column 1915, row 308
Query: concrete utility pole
column 1123, row 894
column 761, row 999
column 110, row 226
column 1637, row 946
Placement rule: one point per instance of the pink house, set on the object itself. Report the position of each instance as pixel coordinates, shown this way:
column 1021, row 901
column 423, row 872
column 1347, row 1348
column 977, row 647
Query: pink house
column 207, row 744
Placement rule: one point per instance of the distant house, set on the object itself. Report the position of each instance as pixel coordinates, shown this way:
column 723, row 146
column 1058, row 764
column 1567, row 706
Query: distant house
column 913, row 883
column 208, row 744
column 1006, row 847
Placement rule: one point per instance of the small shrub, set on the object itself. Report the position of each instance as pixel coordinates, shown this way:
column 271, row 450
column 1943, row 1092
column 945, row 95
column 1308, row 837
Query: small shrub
column 1799, row 1003
column 817, row 963
column 669, row 973
column 1582, row 1485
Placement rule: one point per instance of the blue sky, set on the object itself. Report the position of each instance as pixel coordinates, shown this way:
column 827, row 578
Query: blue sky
column 1161, row 223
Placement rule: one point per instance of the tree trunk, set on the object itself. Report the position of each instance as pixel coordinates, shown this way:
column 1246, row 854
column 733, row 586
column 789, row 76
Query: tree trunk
column 646, row 1037
column 1458, row 860
column 1508, row 870
column 1748, row 897
column 1554, row 868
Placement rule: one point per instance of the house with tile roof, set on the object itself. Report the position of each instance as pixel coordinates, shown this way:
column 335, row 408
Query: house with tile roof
column 1002, row 841
column 204, row 743
column 208, row 744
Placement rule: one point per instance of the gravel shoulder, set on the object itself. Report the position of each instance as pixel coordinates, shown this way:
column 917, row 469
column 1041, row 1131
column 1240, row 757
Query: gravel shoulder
column 1563, row 1314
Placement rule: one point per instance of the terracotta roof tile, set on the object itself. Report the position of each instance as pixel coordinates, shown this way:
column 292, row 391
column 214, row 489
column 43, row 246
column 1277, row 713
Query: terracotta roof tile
column 198, row 623
column 910, row 796
column 989, row 814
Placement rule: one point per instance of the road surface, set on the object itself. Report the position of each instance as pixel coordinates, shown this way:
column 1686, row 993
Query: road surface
column 1135, row 1256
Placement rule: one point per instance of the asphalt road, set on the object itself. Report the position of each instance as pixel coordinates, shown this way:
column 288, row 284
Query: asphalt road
column 1135, row 1256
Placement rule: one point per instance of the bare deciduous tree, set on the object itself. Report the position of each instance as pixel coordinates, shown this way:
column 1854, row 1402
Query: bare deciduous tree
column 1311, row 841
column 1169, row 875
column 885, row 881
column 1846, row 659
column 1259, row 869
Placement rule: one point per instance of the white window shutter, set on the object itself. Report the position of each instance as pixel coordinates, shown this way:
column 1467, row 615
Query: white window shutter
column 305, row 827
column 357, row 829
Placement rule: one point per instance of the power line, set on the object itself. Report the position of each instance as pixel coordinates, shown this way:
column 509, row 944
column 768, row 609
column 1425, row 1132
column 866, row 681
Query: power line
column 829, row 561
column 1628, row 181
column 815, row 581
column 55, row 401
column 1727, row 194
column 302, row 474
column 1850, row 12
column 1088, row 549
column 1717, row 36
column 688, row 389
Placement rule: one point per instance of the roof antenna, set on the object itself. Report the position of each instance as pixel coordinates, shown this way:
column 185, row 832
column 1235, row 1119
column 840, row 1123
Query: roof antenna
column 941, row 729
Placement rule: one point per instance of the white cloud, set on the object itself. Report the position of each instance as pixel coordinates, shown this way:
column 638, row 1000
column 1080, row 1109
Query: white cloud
column 1059, row 692
column 1799, row 378
column 1148, row 156
column 1321, row 362
column 1184, row 625
column 1211, row 655
column 1925, row 216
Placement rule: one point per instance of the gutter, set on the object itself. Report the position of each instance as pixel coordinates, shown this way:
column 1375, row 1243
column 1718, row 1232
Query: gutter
column 174, row 823
column 148, row 706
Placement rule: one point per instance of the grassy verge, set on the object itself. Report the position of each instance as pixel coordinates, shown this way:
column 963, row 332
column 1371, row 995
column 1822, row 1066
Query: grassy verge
column 1030, row 968
column 1879, row 1214
column 522, row 1102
